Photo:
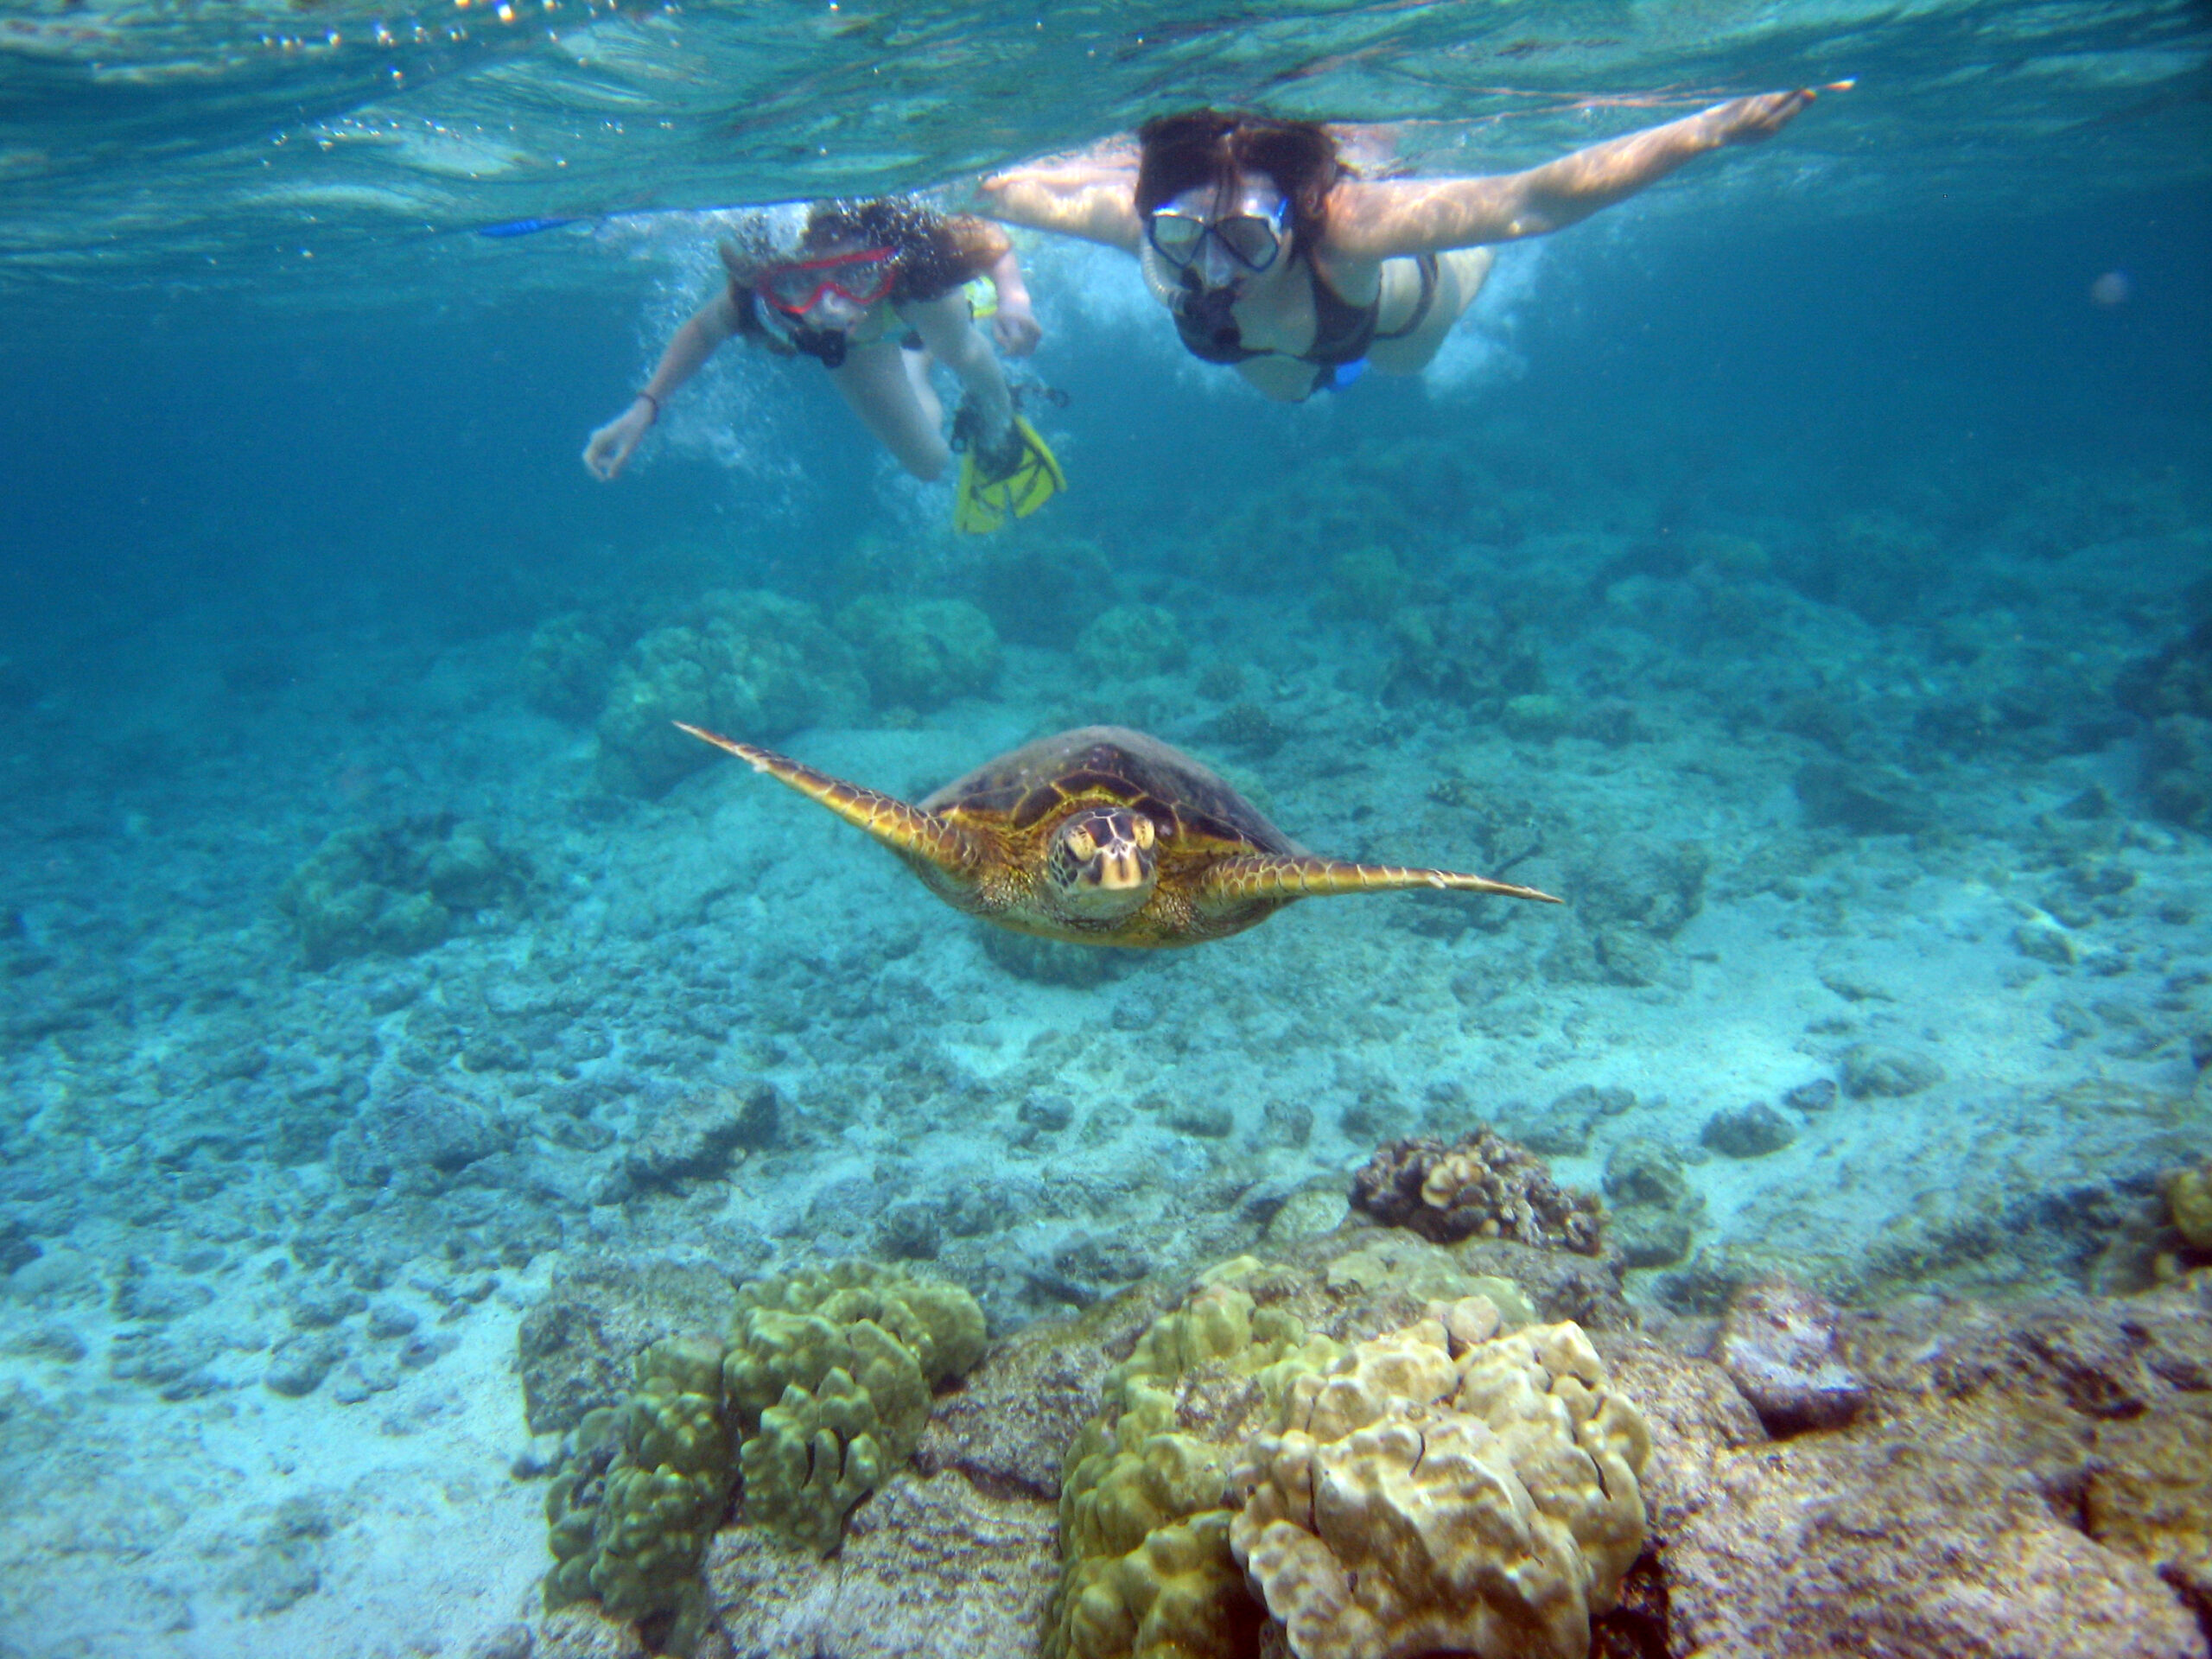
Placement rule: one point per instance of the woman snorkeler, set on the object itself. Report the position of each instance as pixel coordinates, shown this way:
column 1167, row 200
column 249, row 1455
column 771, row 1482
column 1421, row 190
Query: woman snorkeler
column 872, row 290
column 1272, row 255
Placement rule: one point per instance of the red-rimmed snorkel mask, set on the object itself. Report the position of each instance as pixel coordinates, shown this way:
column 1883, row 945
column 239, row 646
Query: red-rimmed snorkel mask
column 862, row 277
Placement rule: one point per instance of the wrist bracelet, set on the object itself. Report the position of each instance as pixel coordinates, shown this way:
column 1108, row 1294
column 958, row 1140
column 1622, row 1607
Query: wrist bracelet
column 648, row 398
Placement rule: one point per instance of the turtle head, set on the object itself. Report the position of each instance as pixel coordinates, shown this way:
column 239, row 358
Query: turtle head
column 1100, row 865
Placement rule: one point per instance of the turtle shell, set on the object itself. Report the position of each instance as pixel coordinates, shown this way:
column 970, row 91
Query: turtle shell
column 1026, row 790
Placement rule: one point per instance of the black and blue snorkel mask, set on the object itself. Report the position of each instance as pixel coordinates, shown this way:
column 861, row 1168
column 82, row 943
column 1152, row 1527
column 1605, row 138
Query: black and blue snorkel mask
column 1253, row 241
column 1173, row 256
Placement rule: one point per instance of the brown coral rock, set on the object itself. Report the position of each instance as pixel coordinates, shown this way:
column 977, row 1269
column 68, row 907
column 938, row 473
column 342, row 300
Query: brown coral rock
column 928, row 1569
column 2151, row 1493
column 1479, row 1186
column 2024, row 1480
column 1778, row 1345
column 1893, row 1546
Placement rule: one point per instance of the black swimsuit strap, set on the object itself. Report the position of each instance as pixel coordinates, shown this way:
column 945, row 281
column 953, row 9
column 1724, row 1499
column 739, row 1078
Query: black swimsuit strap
column 1341, row 329
column 1426, row 263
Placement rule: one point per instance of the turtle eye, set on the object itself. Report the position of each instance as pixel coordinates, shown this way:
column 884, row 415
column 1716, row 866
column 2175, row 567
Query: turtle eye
column 1080, row 842
column 1143, row 831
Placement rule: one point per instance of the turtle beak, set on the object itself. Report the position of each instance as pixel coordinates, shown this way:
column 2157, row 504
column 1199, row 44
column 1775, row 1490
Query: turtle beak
column 1102, row 864
column 1117, row 869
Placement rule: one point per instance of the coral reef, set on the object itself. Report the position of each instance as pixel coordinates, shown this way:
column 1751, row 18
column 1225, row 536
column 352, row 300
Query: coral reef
column 576, row 1349
column 569, row 662
column 697, row 1138
column 1536, row 717
column 1653, row 1209
column 1874, row 561
column 934, row 1566
column 2176, row 680
column 417, row 1138
column 1479, row 1184
column 2021, row 1478
column 1464, row 653
column 1247, row 725
column 1127, row 642
column 1038, row 588
column 1056, row 961
column 1367, row 582
column 396, row 888
column 1892, row 1073
column 1632, row 895
column 923, row 653
column 755, row 664
column 1862, row 800
column 1441, row 1488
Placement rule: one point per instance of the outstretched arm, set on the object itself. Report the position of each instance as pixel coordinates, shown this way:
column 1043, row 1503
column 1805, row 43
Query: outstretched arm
column 1404, row 216
column 1088, row 196
column 1014, row 324
column 611, row 446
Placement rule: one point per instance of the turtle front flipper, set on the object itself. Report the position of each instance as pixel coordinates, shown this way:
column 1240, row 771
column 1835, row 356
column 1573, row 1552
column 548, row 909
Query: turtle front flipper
column 1277, row 878
column 904, row 828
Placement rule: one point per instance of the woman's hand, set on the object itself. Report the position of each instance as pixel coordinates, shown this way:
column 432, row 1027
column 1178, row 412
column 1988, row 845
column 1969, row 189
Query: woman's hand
column 611, row 446
column 1752, row 120
column 1013, row 325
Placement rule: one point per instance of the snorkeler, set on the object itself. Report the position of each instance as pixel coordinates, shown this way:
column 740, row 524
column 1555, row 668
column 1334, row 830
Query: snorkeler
column 872, row 290
column 1271, row 254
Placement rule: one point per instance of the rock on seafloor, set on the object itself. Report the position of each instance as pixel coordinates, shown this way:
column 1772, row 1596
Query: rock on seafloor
column 2025, row 1482
column 928, row 1565
column 1778, row 1345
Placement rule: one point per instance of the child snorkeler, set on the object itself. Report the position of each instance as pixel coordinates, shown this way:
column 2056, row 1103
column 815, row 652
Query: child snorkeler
column 874, row 291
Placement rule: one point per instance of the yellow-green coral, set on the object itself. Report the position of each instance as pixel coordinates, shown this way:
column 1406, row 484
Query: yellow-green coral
column 822, row 1391
column 828, row 1377
column 1429, row 1492
column 1144, row 1523
column 2189, row 1200
column 647, row 1485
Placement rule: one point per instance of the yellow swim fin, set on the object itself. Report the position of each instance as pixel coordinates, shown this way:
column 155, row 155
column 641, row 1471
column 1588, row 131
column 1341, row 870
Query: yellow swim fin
column 993, row 490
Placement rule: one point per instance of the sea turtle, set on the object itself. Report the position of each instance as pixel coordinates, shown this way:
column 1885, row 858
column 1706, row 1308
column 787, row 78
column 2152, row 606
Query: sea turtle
column 1102, row 836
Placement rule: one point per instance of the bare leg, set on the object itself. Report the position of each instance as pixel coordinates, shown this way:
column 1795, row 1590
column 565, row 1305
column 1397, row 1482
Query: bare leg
column 918, row 364
column 896, row 401
column 1459, row 277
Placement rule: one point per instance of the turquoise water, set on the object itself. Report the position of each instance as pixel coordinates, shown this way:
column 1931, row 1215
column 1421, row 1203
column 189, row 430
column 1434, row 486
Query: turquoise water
column 1804, row 568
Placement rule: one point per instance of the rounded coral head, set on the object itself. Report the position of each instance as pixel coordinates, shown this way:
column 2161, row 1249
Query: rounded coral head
column 1100, row 865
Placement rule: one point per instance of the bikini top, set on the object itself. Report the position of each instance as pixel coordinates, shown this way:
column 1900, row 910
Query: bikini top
column 1343, row 332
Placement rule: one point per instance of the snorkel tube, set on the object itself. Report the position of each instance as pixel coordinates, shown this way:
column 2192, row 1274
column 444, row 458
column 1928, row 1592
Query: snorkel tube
column 1209, row 311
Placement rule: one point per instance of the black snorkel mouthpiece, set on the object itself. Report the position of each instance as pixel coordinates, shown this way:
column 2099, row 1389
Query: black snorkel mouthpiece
column 827, row 345
column 1210, row 311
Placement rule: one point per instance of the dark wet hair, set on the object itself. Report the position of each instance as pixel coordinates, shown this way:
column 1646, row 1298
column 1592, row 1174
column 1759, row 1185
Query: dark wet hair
column 1222, row 148
column 937, row 252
